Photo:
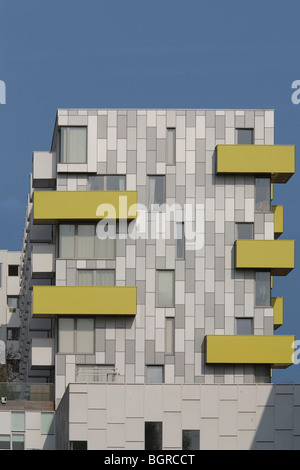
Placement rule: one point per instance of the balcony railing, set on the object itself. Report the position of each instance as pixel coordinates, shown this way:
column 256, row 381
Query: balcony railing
column 27, row 391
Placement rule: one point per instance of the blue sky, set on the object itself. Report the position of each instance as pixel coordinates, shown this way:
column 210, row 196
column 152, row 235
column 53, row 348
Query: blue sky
column 137, row 53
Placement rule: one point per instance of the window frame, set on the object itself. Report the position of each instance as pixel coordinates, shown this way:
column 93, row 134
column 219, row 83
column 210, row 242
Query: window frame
column 74, row 333
column 67, row 161
column 156, row 207
column 164, row 304
column 237, row 129
column 159, row 438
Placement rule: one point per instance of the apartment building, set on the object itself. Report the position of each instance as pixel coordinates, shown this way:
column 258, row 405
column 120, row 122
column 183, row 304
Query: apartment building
column 149, row 252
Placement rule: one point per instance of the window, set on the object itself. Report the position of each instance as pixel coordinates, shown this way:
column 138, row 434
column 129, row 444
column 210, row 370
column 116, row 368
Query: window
column 155, row 374
column 262, row 374
column 91, row 373
column 18, row 421
column 13, row 334
column 18, row 442
column 107, row 182
column 165, row 290
column 262, row 289
column 190, row 440
column 12, row 303
column 97, row 277
column 171, row 146
column 47, row 423
column 4, row 441
column 78, row 445
column 153, row 435
column 73, row 145
column 244, row 326
column 262, row 194
column 81, row 241
column 156, row 195
column 13, row 269
column 76, row 335
column 180, row 240
column 170, row 335
column 244, row 231
column 244, row 136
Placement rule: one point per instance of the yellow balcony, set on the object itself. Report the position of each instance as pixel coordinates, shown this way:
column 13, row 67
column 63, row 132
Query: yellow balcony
column 277, row 351
column 54, row 206
column 277, row 304
column 278, row 220
column 278, row 161
column 278, row 256
column 83, row 300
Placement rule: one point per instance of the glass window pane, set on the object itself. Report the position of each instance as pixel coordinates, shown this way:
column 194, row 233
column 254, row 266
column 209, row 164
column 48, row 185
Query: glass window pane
column 104, row 277
column 12, row 303
column 85, row 277
column 180, row 240
column 155, row 374
column 77, row 145
column 66, row 335
column 105, row 248
column 190, row 440
column 116, row 182
column 156, row 190
column 85, row 241
column 263, row 288
column 18, row 442
column 262, row 194
column 63, row 144
column 171, row 146
column 0, row 275
column 244, row 231
column 153, row 435
column 85, row 335
column 47, row 423
column 244, row 326
column 78, row 445
column 18, row 421
column 245, row 136
column 66, row 241
column 170, row 335
column 4, row 441
column 96, row 183
column 165, row 296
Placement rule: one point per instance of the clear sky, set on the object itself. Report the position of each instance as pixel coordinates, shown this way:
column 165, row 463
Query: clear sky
column 136, row 54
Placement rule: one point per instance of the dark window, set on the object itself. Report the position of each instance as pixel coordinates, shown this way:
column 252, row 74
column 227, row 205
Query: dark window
column 13, row 334
column 78, row 445
column 244, row 326
column 153, row 435
column 190, row 440
column 13, row 269
column 262, row 194
column 244, row 136
column 263, row 289
column 244, row 231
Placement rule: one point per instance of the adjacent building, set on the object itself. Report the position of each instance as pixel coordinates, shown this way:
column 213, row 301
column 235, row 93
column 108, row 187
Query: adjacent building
column 149, row 252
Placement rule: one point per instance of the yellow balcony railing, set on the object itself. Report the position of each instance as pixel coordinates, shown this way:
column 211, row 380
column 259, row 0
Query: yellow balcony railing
column 278, row 220
column 277, row 304
column 277, row 351
column 278, row 256
column 54, row 206
column 49, row 301
column 278, row 161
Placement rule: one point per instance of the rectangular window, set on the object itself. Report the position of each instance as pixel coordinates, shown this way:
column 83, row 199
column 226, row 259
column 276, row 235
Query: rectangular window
column 12, row 303
column 262, row 289
column 13, row 269
column 190, row 440
column 244, row 326
column 107, row 183
column 66, row 241
column 153, row 435
column 91, row 373
column 155, row 374
column 47, row 423
column 170, row 335
column 165, row 289
column 18, row 442
column 81, row 241
column 76, row 335
column 4, row 441
column 244, row 231
column 73, row 145
column 171, row 146
column 18, row 421
column 262, row 194
column 85, row 241
column 244, row 136
column 156, row 194
column 180, row 240
column 97, row 277
column 13, row 334
column 78, row 445
column 96, row 183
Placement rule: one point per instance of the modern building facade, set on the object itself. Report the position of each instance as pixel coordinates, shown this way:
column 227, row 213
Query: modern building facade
column 149, row 252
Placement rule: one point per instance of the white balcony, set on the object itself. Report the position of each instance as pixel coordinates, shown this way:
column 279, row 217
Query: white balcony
column 42, row 352
column 43, row 169
column 42, row 260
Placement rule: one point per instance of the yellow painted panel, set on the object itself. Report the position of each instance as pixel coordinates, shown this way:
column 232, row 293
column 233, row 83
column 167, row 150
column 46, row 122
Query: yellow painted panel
column 278, row 220
column 278, row 256
column 276, row 160
column 277, row 351
column 53, row 206
column 83, row 300
column 277, row 304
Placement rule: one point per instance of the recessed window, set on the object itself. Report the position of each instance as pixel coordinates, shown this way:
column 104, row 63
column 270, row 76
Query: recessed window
column 12, row 303
column 96, row 277
column 170, row 336
column 107, row 183
column 47, row 423
column 171, row 146
column 244, row 326
column 13, row 269
column 78, row 445
column 81, row 241
column 76, row 335
column 262, row 288
column 18, row 421
column 13, row 334
column 262, row 194
column 155, row 374
column 73, row 145
column 156, row 194
column 153, row 435
column 244, row 136
column 244, row 231
column 165, row 288
column 18, row 441
column 190, row 440
column 180, row 240
column 4, row 441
